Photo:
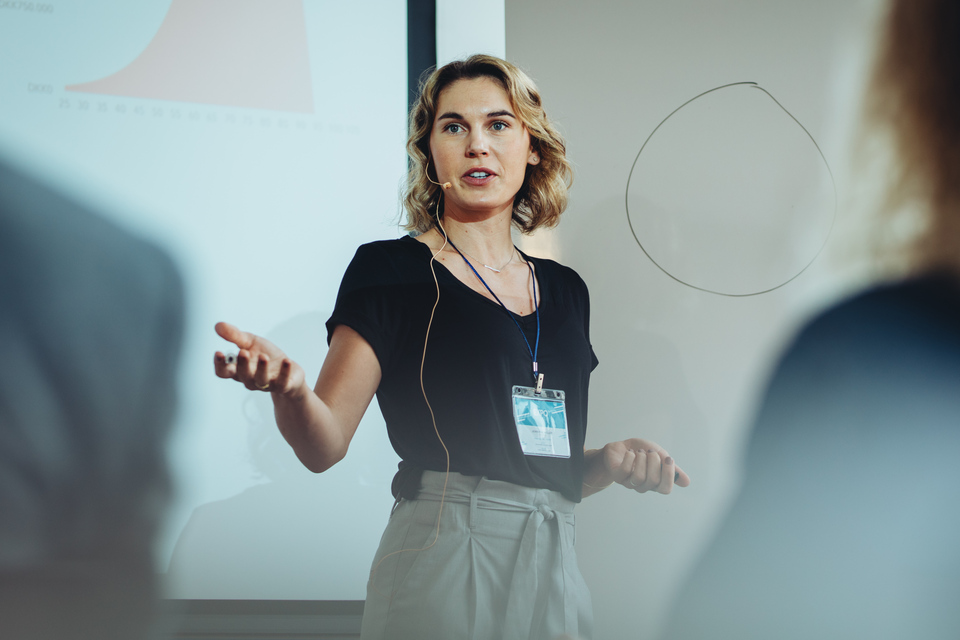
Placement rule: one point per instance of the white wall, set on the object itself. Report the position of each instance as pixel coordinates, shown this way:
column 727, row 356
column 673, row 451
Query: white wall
column 465, row 28
column 729, row 196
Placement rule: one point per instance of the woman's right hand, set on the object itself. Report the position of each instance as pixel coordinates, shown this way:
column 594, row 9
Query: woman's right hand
column 318, row 423
column 260, row 365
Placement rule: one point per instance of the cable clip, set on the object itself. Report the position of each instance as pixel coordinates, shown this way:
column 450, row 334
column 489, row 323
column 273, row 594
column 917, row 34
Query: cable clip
column 539, row 384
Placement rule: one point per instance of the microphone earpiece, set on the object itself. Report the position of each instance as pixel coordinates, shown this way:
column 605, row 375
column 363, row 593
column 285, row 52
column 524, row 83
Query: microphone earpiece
column 445, row 185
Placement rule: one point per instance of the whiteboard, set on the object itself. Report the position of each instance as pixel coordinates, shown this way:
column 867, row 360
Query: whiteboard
column 729, row 198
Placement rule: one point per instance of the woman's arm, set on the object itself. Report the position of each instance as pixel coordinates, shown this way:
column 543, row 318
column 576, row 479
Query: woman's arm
column 318, row 423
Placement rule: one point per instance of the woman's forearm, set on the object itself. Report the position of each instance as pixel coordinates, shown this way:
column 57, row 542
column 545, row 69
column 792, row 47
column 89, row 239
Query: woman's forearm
column 319, row 423
column 310, row 428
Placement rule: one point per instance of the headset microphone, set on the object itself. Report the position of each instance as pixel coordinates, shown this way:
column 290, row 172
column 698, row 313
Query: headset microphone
column 445, row 185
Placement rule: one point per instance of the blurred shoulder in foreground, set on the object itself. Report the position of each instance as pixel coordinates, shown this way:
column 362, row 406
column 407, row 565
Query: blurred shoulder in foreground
column 847, row 523
column 90, row 330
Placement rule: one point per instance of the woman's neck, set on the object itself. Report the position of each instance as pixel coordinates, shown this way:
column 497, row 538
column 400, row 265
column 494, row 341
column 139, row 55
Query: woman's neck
column 488, row 241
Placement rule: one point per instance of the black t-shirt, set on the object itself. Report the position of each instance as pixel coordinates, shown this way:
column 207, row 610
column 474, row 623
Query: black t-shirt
column 474, row 357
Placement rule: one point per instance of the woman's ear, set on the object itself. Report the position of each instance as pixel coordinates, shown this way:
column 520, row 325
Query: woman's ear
column 534, row 157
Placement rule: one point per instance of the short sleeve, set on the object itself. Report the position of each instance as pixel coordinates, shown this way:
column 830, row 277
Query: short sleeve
column 367, row 300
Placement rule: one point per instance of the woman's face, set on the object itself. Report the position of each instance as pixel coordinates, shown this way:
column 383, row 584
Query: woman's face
column 480, row 146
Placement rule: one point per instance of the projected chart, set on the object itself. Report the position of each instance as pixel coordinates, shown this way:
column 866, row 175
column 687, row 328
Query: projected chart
column 194, row 123
column 730, row 194
column 240, row 53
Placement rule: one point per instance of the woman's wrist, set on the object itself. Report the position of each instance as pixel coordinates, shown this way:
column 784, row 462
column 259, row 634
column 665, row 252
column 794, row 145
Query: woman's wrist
column 294, row 396
column 596, row 482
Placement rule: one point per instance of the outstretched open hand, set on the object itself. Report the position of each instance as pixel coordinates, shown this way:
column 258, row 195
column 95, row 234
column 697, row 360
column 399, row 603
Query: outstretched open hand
column 260, row 364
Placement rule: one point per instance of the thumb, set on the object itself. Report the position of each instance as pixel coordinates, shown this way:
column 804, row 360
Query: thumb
column 232, row 334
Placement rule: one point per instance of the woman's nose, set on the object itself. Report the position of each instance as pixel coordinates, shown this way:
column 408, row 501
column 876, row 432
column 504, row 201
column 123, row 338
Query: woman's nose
column 477, row 145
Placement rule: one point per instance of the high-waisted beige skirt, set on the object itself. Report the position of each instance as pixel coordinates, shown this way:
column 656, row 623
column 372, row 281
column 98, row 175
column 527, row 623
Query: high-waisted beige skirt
column 503, row 566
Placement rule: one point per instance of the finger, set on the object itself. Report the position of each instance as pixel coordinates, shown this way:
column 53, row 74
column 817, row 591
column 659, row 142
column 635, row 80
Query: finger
column 641, row 444
column 666, row 476
column 625, row 469
column 229, row 332
column 654, row 465
column 282, row 382
column 246, row 369
column 261, row 378
column 221, row 367
column 639, row 475
column 681, row 478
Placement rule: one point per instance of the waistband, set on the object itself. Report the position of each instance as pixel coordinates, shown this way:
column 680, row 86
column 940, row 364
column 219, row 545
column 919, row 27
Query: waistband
column 492, row 494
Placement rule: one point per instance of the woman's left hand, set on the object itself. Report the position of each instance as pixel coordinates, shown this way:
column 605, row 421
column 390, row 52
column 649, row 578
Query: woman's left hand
column 638, row 464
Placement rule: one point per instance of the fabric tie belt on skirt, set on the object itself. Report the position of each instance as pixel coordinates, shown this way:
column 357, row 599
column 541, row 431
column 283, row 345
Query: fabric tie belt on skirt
column 544, row 506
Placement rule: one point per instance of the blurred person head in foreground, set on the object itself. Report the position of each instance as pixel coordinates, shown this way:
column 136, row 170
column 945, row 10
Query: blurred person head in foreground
column 90, row 329
column 847, row 522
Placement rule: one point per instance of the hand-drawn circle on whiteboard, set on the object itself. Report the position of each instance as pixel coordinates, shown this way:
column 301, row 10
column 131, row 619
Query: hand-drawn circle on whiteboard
column 730, row 194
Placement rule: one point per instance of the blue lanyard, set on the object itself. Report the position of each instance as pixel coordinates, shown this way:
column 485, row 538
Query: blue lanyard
column 538, row 378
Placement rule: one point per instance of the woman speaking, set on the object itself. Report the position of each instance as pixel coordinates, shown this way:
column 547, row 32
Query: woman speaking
column 480, row 359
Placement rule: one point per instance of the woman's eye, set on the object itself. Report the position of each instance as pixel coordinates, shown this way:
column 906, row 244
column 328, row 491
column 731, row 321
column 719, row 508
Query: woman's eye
column 454, row 128
column 499, row 125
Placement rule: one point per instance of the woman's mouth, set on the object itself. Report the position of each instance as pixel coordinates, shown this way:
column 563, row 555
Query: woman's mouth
column 478, row 177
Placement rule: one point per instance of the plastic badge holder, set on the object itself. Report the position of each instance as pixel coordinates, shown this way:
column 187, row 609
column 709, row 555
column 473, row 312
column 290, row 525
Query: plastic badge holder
column 541, row 420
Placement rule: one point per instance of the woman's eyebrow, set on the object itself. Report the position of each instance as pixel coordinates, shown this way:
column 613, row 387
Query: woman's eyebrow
column 452, row 115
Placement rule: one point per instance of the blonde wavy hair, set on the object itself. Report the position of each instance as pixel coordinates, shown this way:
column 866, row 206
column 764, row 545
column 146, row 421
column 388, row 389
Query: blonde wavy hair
column 543, row 195
column 914, row 97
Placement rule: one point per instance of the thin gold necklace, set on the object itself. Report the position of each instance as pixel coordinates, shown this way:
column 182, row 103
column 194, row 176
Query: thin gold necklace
column 494, row 269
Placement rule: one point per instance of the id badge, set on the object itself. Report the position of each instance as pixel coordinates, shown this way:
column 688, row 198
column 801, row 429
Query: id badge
column 541, row 421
